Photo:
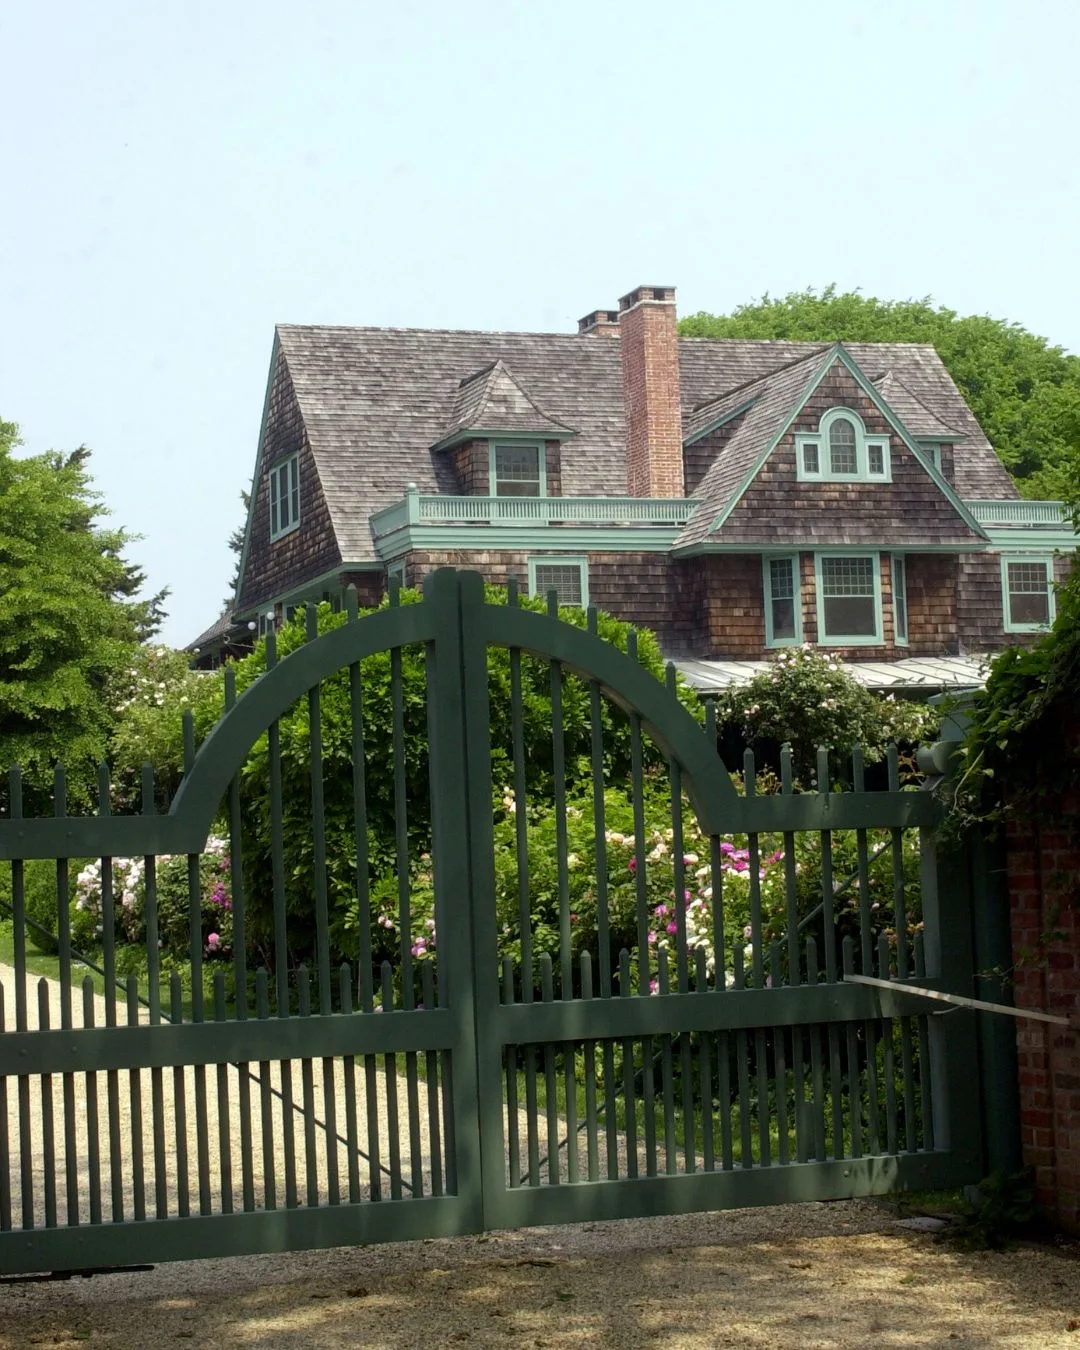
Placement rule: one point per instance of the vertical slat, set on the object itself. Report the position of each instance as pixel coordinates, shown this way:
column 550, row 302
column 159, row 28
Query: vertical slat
column 629, row 1101
column 93, row 1143
column 911, row 1138
column 853, row 1066
column 828, row 916
column 757, row 963
column 307, row 1078
column 195, row 939
column 596, row 732
column 671, row 1162
column 236, row 874
column 794, row 955
column 816, row 1067
column 716, row 877
column 682, row 974
column 513, row 1133
column 266, row 1101
column 926, row 1097
column 352, row 1138
column 5, row 1154
column 179, row 1118
column 401, row 819
column 150, row 914
column 63, row 931
column 374, row 1131
column 521, row 837
column 277, row 849
column 648, row 1103
column 892, row 759
column 708, row 1158
column 390, row 1081
column 135, row 1117
column 742, row 1067
column 532, row 1115
column 858, row 783
column 18, row 919
column 723, row 1082
column 558, row 778
column 318, row 849
column 591, row 1144
column 779, row 1065
column 365, row 973
column 547, row 993
column 108, row 952
column 637, row 779
column 224, row 1113
column 48, row 1137
column 427, row 988
column 888, row 1065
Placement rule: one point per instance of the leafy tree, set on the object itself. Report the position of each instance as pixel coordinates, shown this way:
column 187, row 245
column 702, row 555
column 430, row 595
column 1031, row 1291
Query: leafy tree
column 1024, row 391
column 69, row 622
column 236, row 545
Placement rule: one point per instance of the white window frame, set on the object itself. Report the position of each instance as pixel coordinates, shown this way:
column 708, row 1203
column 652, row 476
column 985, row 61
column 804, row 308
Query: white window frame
column 560, row 560
column 541, row 462
column 766, row 584
column 1046, row 560
column 284, row 511
column 820, row 439
column 875, row 639
column 901, row 559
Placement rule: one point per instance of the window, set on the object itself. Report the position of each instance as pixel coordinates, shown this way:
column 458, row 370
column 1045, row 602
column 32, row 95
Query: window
column 843, row 457
column 518, row 471
column 841, row 451
column 1028, row 593
column 848, row 600
column 284, row 497
column 567, row 577
column 899, row 599
column 782, row 606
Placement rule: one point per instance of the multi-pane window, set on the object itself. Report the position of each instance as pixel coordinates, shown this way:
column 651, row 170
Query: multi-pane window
column 1029, row 600
column 781, row 601
column 517, row 471
column 568, row 578
column 284, row 497
column 848, row 599
column 841, row 451
column 842, row 447
column 899, row 598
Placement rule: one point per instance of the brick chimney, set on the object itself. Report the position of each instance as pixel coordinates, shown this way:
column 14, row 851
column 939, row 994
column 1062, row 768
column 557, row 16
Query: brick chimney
column 650, row 366
column 600, row 323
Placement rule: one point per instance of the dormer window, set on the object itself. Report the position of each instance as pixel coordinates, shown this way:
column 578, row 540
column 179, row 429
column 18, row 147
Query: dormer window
column 840, row 451
column 517, row 470
column 284, row 497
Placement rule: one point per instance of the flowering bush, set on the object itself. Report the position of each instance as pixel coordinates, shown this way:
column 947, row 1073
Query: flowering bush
column 808, row 698
column 129, row 899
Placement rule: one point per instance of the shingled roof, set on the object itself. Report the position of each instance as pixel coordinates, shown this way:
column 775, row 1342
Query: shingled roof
column 491, row 402
column 376, row 400
column 914, row 414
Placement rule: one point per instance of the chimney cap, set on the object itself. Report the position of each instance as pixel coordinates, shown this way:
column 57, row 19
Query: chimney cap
column 664, row 295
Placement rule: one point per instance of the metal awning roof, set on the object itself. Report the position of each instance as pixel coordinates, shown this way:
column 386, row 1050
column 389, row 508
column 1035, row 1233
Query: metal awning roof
column 927, row 673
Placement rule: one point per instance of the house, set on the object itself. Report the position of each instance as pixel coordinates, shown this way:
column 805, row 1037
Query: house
column 734, row 496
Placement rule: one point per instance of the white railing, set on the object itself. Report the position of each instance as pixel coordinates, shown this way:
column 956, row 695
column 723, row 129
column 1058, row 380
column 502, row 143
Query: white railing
column 1019, row 513
column 416, row 509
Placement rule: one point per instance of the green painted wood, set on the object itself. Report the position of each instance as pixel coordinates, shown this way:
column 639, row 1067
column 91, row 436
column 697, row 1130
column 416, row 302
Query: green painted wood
column 135, row 1116
column 266, row 1100
column 513, row 1142
column 641, row 893
column 224, row 1113
column 5, row 1150
column 592, row 1150
column 318, row 830
column 742, row 1068
column 723, row 1078
column 434, row 1087
column 236, row 873
column 288, row 1131
column 401, row 825
column 365, row 973
column 596, row 748
column 926, row 1096
column 705, row 1077
column 179, row 1116
column 779, row 1065
column 611, row 1121
column 547, row 994
column 630, row 1130
column 374, row 1131
column 719, row 942
column 817, row 1074
column 307, row 1081
column 854, row 1070
column 352, row 1134
column 892, row 759
column 889, row 1065
column 153, row 955
column 667, row 1088
column 558, row 781
column 677, row 854
column 757, row 963
column 48, row 1136
column 18, row 902
column 390, row 1083
column 521, row 837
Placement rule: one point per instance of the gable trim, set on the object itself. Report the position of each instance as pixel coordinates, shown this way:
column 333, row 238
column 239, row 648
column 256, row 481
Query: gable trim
column 275, row 357
column 476, row 434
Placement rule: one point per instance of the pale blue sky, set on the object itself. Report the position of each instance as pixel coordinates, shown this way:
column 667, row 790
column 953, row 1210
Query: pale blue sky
column 180, row 176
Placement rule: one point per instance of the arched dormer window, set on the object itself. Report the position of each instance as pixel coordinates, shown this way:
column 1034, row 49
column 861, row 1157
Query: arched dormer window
column 840, row 451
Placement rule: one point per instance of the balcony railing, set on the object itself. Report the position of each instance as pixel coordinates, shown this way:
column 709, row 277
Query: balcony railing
column 416, row 509
column 1019, row 513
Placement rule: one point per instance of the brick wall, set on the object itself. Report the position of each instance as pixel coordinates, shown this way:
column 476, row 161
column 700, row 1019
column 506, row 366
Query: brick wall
column 1044, row 887
column 649, row 343
column 283, row 564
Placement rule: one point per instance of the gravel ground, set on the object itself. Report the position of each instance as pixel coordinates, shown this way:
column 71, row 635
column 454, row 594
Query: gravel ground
column 808, row 1275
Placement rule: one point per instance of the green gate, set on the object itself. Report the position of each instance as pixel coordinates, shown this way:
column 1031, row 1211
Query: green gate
column 425, row 1013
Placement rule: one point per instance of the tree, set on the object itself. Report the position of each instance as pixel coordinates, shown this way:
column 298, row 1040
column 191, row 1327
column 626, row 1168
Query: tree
column 236, row 544
column 1024, row 391
column 69, row 622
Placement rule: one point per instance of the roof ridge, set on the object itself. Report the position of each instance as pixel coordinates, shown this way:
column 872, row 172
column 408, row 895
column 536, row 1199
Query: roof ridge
column 759, row 379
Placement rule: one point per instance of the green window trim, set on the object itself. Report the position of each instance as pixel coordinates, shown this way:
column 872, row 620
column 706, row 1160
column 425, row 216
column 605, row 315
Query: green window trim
column 822, row 569
column 1020, row 584
column 899, row 600
column 814, row 450
column 517, row 446
column 284, row 478
column 774, row 585
column 540, row 584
